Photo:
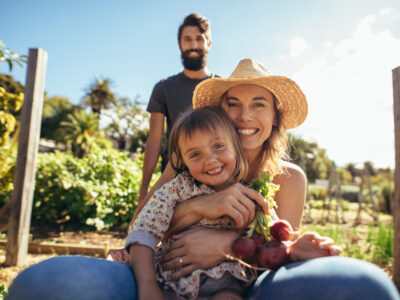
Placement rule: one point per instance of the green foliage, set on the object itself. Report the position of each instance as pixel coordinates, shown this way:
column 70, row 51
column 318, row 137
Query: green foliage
column 350, row 192
column 99, row 95
column 311, row 158
column 10, row 57
column 128, row 122
column 55, row 111
column 317, row 192
column 344, row 176
column 376, row 247
column 99, row 190
column 3, row 291
column 80, row 130
column 10, row 85
column 9, row 105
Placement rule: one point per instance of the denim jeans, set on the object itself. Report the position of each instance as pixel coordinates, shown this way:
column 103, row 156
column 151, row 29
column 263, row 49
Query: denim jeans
column 79, row 277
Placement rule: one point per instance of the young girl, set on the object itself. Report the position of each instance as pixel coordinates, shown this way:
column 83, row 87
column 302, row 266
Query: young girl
column 208, row 157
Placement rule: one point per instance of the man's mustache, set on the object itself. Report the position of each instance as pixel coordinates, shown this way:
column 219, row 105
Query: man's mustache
column 199, row 51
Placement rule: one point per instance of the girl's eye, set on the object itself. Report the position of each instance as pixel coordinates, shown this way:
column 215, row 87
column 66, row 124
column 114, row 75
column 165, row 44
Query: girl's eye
column 219, row 146
column 194, row 155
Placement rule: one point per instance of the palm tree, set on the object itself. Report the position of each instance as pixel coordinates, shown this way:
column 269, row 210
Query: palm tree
column 80, row 130
column 99, row 96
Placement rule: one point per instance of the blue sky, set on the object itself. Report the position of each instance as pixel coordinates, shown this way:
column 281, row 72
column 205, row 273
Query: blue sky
column 340, row 52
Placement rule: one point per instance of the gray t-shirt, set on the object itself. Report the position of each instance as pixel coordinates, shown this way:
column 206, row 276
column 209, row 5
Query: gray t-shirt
column 172, row 96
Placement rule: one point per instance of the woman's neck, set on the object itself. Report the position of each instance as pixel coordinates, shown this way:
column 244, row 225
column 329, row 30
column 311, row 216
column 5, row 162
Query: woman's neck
column 254, row 164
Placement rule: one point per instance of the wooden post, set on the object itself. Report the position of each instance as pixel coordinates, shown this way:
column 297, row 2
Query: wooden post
column 28, row 144
column 396, row 200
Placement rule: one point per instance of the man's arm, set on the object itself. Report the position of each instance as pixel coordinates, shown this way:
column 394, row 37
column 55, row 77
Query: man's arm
column 152, row 151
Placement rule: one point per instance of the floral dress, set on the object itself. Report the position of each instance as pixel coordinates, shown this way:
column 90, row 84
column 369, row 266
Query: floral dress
column 154, row 220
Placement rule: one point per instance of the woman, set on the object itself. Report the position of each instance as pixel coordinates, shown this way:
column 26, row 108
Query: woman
column 262, row 107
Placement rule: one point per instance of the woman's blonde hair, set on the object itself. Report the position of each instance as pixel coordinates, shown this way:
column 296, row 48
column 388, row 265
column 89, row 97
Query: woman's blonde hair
column 215, row 121
column 274, row 148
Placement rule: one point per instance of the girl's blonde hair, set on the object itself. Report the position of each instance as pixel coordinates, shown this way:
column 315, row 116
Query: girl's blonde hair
column 213, row 120
column 274, row 148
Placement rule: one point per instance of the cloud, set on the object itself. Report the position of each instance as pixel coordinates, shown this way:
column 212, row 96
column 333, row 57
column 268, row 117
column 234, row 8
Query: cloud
column 386, row 11
column 298, row 45
column 348, row 84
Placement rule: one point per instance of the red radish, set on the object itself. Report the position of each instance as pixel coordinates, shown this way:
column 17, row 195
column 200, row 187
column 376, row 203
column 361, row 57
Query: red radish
column 273, row 254
column 244, row 248
column 281, row 230
column 259, row 240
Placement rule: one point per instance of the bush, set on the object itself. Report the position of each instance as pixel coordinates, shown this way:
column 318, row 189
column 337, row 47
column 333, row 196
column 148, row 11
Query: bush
column 98, row 190
column 350, row 192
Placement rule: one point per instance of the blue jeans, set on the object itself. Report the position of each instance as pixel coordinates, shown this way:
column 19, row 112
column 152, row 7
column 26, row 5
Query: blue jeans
column 78, row 277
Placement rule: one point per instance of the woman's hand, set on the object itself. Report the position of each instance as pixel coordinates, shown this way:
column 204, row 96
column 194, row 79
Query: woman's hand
column 199, row 248
column 236, row 201
column 311, row 245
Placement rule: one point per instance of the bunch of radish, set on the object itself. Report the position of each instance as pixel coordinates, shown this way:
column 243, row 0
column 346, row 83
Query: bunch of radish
column 264, row 244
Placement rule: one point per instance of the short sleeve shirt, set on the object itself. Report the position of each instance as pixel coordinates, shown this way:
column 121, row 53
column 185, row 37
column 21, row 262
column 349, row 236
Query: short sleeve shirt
column 172, row 96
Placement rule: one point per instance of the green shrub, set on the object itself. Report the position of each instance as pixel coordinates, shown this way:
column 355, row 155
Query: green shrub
column 97, row 190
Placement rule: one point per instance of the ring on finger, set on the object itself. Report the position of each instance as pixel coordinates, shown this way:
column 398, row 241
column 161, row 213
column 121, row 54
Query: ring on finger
column 181, row 261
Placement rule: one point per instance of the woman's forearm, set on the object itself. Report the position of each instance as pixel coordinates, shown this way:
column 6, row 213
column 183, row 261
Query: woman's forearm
column 186, row 213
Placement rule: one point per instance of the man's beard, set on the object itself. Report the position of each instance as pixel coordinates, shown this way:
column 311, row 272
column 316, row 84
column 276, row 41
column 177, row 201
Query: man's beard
column 194, row 63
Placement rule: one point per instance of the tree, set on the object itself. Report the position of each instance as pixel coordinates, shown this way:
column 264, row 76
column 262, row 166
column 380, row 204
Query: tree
column 55, row 110
column 128, row 120
column 99, row 96
column 80, row 131
column 10, row 85
column 312, row 159
column 10, row 57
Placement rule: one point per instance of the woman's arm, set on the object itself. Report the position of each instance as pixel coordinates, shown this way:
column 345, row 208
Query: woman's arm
column 291, row 195
column 199, row 248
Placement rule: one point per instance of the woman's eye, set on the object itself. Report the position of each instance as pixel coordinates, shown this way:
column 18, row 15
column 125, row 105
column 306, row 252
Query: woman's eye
column 232, row 104
column 259, row 104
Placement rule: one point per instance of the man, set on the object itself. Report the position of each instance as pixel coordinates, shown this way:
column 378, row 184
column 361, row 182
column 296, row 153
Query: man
column 173, row 95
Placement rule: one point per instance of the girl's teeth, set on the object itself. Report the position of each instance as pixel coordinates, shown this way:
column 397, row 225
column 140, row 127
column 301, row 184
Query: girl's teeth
column 247, row 131
column 211, row 172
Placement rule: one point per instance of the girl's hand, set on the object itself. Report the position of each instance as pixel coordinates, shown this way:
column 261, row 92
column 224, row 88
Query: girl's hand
column 311, row 245
column 199, row 248
column 236, row 201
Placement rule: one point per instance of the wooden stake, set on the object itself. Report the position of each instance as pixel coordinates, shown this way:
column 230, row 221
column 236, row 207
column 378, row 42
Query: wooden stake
column 396, row 200
column 28, row 144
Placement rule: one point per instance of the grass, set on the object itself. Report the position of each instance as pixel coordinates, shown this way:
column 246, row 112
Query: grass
column 366, row 241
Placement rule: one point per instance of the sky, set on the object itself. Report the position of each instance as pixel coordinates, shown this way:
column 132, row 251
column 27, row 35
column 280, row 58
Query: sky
column 341, row 53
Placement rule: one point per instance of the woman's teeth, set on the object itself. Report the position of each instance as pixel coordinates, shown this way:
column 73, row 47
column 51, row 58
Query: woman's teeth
column 246, row 131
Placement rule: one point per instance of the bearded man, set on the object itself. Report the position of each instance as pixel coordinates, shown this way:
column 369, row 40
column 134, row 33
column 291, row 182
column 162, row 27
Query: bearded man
column 173, row 95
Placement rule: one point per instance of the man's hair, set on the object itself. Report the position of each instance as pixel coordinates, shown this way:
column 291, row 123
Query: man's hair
column 196, row 20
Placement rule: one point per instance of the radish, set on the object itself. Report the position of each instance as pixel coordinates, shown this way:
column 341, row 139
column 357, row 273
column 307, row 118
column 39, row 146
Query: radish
column 281, row 230
column 272, row 255
column 244, row 248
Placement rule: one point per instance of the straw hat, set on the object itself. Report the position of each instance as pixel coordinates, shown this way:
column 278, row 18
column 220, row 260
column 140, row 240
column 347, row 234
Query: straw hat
column 290, row 100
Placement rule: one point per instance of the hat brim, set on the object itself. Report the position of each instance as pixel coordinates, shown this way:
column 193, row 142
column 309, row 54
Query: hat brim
column 290, row 100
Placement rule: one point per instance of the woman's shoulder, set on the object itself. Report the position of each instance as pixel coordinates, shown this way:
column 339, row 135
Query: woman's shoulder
column 291, row 173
